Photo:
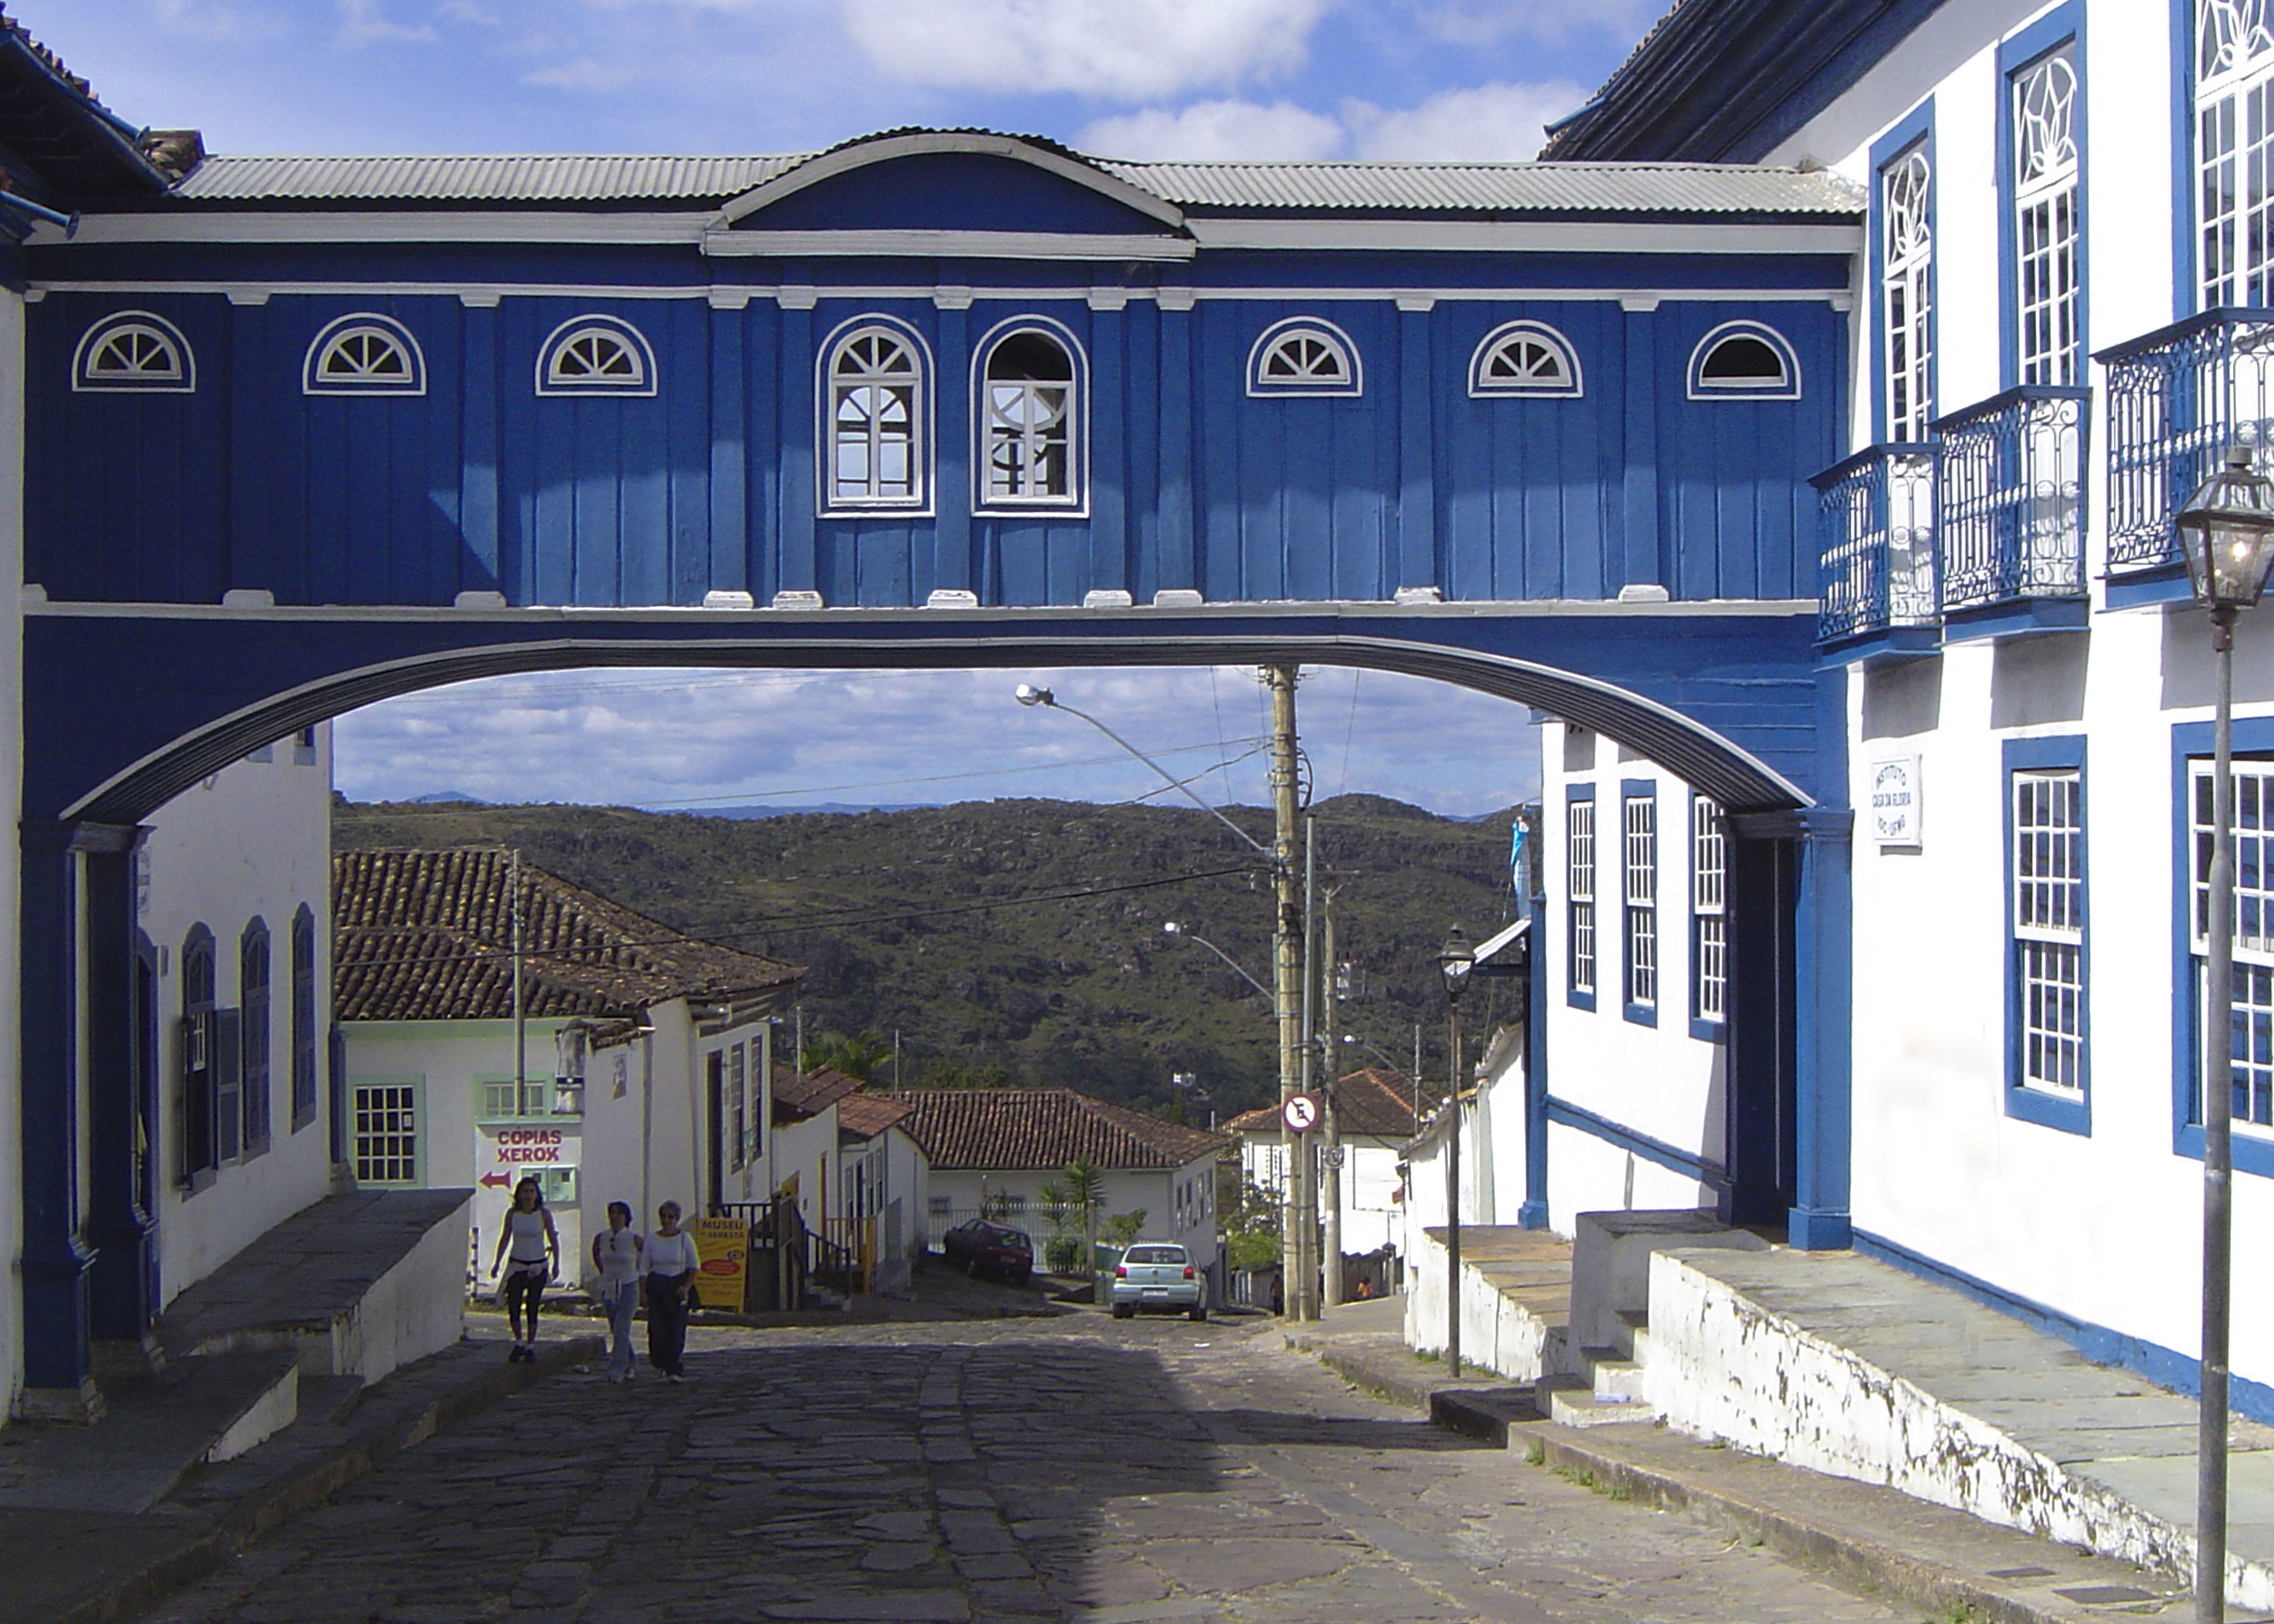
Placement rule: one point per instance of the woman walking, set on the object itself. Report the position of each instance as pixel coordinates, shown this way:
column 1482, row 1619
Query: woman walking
column 616, row 1258
column 669, row 1261
column 528, row 1234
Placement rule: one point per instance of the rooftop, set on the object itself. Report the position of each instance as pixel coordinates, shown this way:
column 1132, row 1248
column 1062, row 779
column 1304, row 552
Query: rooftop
column 1376, row 1103
column 799, row 1094
column 973, row 1130
column 865, row 1115
column 428, row 936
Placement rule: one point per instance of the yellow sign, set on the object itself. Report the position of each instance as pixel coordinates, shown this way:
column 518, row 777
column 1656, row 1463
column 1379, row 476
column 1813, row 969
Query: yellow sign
column 724, row 1244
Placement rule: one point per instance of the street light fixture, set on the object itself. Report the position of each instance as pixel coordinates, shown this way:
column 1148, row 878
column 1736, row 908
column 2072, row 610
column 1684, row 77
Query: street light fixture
column 1027, row 694
column 1456, row 961
column 2226, row 533
column 1171, row 928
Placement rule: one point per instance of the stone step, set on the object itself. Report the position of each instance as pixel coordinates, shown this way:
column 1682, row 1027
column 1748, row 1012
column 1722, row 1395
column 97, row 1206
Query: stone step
column 1572, row 1402
column 1634, row 1323
column 1613, row 1377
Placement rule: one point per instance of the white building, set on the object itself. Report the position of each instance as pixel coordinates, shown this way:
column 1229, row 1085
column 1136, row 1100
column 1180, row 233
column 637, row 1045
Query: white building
column 647, row 1051
column 991, row 1150
column 1374, row 1117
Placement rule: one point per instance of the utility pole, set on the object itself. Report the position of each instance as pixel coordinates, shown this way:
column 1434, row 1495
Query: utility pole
column 520, row 1002
column 1287, row 963
column 1333, row 1158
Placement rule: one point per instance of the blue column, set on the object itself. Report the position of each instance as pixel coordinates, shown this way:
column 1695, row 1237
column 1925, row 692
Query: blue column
column 1822, row 1001
column 728, row 567
column 1533, row 1213
column 484, row 569
column 952, row 431
column 120, row 1223
column 1639, row 509
column 800, row 539
column 1417, row 491
column 1179, row 563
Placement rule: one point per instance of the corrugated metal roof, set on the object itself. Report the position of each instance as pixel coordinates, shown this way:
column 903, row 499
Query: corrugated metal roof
column 505, row 178
column 1499, row 188
column 1542, row 188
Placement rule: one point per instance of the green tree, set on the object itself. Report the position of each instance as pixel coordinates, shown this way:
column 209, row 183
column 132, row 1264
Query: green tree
column 1084, row 1182
column 1123, row 1228
column 951, row 1073
column 854, row 1054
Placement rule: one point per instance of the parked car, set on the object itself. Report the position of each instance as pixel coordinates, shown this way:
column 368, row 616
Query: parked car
column 1158, row 1276
column 994, row 1248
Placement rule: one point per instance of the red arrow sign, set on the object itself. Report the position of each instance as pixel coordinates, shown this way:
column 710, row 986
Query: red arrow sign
column 496, row 1181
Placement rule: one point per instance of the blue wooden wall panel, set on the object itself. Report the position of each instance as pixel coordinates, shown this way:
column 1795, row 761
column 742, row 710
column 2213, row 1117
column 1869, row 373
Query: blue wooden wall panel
column 1146, row 398
column 758, row 332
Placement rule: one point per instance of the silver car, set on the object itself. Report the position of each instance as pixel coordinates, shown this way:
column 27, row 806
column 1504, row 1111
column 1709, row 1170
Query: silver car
column 1158, row 1276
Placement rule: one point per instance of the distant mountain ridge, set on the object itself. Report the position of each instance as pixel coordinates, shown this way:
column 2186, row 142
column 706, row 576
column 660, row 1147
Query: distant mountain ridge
column 1027, row 935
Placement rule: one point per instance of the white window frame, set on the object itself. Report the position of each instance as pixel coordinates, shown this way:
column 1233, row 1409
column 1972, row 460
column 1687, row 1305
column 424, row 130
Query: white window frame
column 1072, row 503
column 2234, row 93
column 835, row 499
column 584, row 336
column 384, row 1152
column 1785, row 385
column 2046, row 811
column 1709, row 912
column 2254, row 931
column 1569, row 384
column 363, row 327
column 2048, row 237
column 1579, row 895
column 1905, row 185
column 738, row 1095
column 1324, row 338
column 177, row 376
column 1639, row 901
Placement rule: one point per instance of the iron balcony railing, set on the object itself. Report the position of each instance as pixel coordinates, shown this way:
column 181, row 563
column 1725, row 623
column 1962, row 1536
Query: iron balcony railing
column 2177, row 398
column 2010, row 497
column 1875, row 521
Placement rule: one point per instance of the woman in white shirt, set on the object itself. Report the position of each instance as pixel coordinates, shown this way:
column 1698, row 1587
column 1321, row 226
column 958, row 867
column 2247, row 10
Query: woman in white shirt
column 528, row 1232
column 616, row 1258
column 669, row 1261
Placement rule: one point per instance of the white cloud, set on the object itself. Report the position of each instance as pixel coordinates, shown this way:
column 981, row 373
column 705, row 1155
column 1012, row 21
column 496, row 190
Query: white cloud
column 216, row 20
column 588, row 73
column 1124, row 50
column 1215, row 129
column 1554, row 22
column 363, row 23
column 1487, row 123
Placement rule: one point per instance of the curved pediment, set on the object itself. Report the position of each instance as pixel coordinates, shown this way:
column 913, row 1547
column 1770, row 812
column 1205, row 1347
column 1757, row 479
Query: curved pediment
column 958, row 182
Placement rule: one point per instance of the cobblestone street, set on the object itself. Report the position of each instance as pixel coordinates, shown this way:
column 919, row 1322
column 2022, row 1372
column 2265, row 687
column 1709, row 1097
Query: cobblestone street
column 1073, row 1468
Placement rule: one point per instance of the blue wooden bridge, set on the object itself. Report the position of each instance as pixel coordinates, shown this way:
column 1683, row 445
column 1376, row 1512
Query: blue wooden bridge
column 302, row 434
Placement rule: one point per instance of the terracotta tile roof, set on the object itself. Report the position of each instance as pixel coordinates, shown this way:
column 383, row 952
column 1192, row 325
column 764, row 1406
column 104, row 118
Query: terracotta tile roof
column 1376, row 1103
column 973, row 1129
column 428, row 936
column 800, row 1095
column 865, row 1115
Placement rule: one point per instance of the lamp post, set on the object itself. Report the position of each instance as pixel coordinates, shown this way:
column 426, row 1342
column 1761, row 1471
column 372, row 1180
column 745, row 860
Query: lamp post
column 1455, row 962
column 1170, row 927
column 2226, row 531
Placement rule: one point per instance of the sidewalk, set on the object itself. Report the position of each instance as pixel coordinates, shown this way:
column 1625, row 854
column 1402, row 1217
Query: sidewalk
column 78, row 1546
column 1867, row 1539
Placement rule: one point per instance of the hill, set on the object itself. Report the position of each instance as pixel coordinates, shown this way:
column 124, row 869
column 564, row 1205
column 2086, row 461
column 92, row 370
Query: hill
column 1028, row 934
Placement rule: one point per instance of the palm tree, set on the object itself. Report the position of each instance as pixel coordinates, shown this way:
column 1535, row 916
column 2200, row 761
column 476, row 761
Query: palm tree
column 856, row 1055
column 1084, row 1184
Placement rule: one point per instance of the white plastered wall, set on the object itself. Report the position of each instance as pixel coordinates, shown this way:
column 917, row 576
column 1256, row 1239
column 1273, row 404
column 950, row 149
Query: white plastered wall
column 253, row 840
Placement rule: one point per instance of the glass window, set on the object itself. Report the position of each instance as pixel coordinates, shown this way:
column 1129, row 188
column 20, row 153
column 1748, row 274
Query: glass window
column 252, row 990
column 738, row 1092
column 203, row 1137
column 595, row 355
column 1302, row 356
column 1638, row 815
column 1744, row 361
column 1709, row 918
column 1524, row 358
column 364, row 354
column 2235, row 152
column 303, row 1019
column 2046, row 234
column 2048, row 910
column 878, row 405
column 385, row 1144
column 1907, row 293
column 133, row 350
column 2250, row 1037
column 1579, row 868
column 1030, row 405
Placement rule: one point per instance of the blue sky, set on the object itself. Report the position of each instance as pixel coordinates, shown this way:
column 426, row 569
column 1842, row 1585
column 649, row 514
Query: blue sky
column 1136, row 78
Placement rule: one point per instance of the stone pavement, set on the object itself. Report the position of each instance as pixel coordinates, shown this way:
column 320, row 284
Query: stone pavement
column 1080, row 1468
column 1937, row 1560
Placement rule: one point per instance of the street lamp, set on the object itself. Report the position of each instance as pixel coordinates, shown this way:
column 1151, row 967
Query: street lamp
column 1457, row 960
column 1027, row 694
column 2226, row 533
column 1169, row 928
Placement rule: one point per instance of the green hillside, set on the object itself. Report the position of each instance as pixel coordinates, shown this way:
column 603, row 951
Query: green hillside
column 953, row 925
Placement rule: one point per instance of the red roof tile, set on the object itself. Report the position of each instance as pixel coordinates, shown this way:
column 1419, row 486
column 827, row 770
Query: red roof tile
column 1376, row 1103
column 973, row 1129
column 865, row 1115
column 808, row 1094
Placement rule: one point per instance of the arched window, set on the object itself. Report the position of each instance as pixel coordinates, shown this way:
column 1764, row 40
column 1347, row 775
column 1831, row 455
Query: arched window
column 1744, row 361
column 876, row 405
column 133, row 351
column 595, row 355
column 365, row 354
column 1029, row 420
column 253, row 996
column 1524, row 358
column 209, row 1124
column 304, row 1017
column 1301, row 356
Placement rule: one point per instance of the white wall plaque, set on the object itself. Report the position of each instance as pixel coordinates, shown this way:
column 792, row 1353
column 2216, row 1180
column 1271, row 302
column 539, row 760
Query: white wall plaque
column 1896, row 806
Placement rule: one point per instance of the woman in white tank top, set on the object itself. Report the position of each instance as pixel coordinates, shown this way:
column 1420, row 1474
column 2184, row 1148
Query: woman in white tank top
column 528, row 1233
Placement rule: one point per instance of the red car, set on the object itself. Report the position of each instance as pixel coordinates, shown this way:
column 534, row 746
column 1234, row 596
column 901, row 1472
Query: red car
column 994, row 1247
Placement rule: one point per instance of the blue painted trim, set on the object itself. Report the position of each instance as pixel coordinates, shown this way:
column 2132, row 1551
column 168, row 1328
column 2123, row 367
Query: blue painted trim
column 1896, row 646
column 1912, row 128
column 2184, row 290
column 2100, row 1343
column 1634, row 789
column 1532, row 1214
column 1577, row 998
column 1657, row 1151
column 2018, row 616
column 2254, row 739
column 2064, row 25
column 1823, row 993
column 2148, row 589
column 2024, row 1103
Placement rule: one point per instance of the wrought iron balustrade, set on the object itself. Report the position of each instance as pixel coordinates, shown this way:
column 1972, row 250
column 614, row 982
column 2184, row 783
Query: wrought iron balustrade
column 2010, row 497
column 2177, row 398
column 1875, row 526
